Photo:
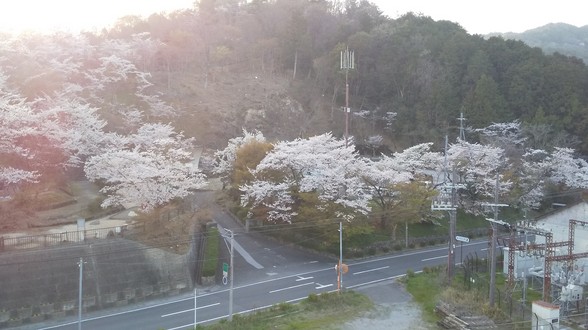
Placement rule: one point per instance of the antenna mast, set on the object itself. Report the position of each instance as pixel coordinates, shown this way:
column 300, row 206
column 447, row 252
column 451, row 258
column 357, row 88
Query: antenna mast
column 347, row 63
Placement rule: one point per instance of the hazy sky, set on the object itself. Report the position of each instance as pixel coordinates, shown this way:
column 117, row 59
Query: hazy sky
column 475, row 16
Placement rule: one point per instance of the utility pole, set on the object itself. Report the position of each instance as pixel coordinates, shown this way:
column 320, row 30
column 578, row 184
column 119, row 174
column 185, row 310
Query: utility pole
column 461, row 127
column 347, row 63
column 80, row 295
column 452, row 231
column 493, row 223
column 447, row 201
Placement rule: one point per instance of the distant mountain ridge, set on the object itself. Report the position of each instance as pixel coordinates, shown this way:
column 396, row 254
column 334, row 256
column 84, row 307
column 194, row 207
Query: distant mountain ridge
column 563, row 38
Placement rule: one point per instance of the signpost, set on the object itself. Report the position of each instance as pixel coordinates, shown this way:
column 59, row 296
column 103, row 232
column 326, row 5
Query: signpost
column 225, row 272
column 461, row 240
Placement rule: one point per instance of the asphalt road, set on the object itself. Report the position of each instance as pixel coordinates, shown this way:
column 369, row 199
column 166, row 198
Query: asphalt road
column 256, row 288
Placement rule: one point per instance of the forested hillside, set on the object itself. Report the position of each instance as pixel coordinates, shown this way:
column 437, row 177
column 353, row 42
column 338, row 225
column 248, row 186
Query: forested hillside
column 275, row 66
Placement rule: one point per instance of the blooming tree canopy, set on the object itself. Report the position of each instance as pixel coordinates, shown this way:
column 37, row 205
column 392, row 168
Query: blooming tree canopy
column 389, row 179
column 320, row 164
column 225, row 159
column 152, row 167
column 477, row 166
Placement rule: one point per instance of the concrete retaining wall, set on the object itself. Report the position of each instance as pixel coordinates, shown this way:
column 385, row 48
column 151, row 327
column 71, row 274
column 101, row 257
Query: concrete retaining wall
column 39, row 285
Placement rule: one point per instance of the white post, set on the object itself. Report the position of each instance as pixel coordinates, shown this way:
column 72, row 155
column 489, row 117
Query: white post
column 231, row 274
column 81, row 265
column 195, row 323
column 340, row 268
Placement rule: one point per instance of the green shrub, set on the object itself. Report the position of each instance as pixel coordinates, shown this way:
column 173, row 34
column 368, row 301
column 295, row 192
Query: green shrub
column 211, row 253
column 313, row 297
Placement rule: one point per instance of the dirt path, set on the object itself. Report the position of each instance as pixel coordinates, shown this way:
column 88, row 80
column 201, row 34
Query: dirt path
column 394, row 310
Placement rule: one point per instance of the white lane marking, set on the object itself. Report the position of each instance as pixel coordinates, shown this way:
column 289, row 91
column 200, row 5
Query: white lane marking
column 434, row 258
column 371, row 270
column 246, row 255
column 374, row 281
column 189, row 310
column 313, row 262
column 301, row 278
column 242, row 312
column 291, row 287
column 319, row 286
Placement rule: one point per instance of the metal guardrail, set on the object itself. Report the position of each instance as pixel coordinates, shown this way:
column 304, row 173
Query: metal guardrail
column 52, row 239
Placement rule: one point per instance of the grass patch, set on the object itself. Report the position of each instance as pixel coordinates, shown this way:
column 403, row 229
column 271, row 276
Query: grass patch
column 211, row 253
column 425, row 288
column 324, row 311
column 464, row 222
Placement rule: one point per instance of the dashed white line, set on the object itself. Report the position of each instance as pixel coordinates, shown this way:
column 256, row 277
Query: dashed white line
column 371, row 270
column 291, row 287
column 434, row 258
column 189, row 310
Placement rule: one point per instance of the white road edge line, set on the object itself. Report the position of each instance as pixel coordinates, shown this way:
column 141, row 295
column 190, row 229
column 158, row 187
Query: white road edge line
column 189, row 310
column 434, row 258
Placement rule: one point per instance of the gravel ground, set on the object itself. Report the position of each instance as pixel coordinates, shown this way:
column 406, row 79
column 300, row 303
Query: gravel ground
column 394, row 310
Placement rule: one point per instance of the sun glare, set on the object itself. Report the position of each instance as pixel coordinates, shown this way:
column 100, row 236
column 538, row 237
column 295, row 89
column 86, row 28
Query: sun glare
column 44, row 16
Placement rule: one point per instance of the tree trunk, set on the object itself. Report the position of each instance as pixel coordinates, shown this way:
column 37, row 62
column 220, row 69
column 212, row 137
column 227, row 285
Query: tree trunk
column 394, row 228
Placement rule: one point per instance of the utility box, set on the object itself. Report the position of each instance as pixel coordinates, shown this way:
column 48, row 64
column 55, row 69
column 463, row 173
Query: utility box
column 545, row 316
column 571, row 292
column 522, row 263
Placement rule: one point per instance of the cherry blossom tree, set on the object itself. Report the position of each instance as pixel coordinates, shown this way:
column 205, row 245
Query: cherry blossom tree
column 321, row 165
column 18, row 121
column 390, row 178
column 225, row 159
column 153, row 167
column 476, row 166
column 532, row 170
column 47, row 135
column 542, row 168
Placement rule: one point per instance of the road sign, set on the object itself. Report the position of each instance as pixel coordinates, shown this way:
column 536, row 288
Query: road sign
column 462, row 239
column 344, row 268
column 225, row 269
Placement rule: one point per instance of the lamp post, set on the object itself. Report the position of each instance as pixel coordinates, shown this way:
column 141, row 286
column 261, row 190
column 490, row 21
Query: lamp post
column 80, row 295
column 224, row 233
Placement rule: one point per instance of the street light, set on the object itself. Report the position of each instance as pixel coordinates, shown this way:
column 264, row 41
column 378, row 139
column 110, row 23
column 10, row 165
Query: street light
column 224, row 232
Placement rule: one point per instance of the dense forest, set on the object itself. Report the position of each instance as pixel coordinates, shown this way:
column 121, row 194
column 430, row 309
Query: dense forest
column 275, row 66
